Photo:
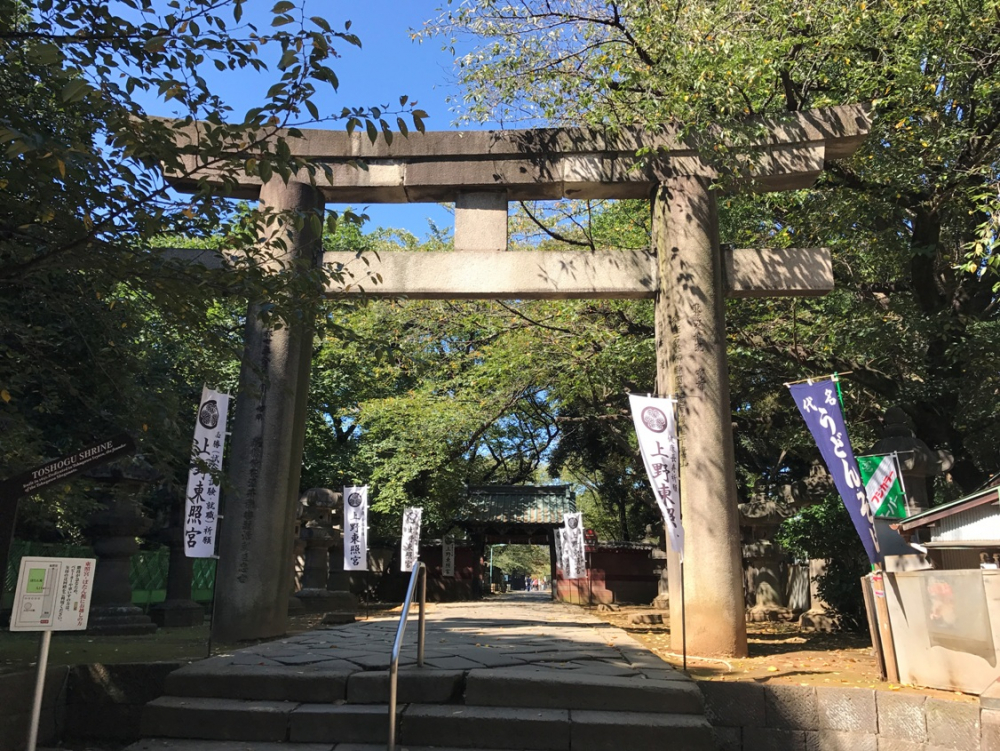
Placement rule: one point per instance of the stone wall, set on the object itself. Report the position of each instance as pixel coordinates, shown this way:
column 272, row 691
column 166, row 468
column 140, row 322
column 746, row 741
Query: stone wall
column 17, row 692
column 104, row 702
column 760, row 717
column 84, row 702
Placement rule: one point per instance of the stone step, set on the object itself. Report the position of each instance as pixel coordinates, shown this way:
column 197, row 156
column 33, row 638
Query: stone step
column 341, row 723
column 312, row 684
column 552, row 729
column 186, row 744
column 413, row 686
column 220, row 680
column 574, row 689
column 307, row 727
column 484, row 727
column 216, row 719
column 612, row 731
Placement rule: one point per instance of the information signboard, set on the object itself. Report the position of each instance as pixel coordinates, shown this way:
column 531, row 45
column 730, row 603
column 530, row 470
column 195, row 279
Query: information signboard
column 53, row 594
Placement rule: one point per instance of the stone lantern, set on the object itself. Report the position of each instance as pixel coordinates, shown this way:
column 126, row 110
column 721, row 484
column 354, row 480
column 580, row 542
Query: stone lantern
column 113, row 530
column 781, row 590
column 766, row 564
column 178, row 609
column 321, row 530
column 918, row 463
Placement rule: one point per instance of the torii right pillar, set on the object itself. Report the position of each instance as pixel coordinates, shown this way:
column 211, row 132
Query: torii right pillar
column 691, row 363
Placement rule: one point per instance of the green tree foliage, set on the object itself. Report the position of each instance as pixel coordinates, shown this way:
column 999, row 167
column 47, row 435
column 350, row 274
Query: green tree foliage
column 522, row 560
column 825, row 531
column 98, row 332
column 908, row 318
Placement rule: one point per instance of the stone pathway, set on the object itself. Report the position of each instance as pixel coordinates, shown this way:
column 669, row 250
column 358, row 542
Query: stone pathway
column 512, row 672
column 512, row 630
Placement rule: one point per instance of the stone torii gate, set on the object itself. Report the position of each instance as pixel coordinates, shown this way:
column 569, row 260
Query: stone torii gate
column 685, row 272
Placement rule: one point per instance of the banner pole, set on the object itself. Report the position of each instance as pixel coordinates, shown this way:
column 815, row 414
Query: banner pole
column 684, row 631
column 219, row 519
column 211, row 622
column 899, row 472
column 680, row 519
column 830, row 376
column 590, row 580
column 36, row 706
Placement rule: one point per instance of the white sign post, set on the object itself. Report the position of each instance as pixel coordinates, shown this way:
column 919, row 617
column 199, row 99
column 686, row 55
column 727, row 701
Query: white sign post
column 410, row 552
column 52, row 594
column 356, row 528
column 201, row 508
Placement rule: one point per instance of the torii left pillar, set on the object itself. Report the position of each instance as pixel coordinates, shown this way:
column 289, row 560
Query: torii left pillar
column 265, row 460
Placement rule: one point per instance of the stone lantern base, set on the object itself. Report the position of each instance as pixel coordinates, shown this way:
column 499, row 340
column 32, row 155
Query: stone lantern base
column 325, row 601
column 177, row 613
column 119, row 620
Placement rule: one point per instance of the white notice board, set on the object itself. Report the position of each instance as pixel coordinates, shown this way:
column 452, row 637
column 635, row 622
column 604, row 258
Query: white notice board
column 53, row 594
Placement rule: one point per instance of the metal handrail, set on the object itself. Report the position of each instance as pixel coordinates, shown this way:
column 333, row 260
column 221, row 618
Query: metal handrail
column 419, row 573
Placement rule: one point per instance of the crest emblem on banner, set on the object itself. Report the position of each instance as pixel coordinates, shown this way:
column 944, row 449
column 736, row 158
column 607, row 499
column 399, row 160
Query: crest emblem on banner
column 654, row 419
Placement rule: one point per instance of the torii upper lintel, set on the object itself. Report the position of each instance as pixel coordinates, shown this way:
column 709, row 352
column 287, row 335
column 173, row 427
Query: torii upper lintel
column 549, row 164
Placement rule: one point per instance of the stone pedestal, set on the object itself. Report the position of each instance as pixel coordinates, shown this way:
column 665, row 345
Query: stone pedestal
column 818, row 617
column 113, row 531
column 265, row 459
column 178, row 609
column 767, row 581
column 662, row 599
column 691, row 363
column 295, row 606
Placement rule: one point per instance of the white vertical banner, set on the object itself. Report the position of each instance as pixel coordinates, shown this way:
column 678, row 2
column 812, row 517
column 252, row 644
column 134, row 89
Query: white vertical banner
column 573, row 547
column 448, row 557
column 356, row 528
column 557, row 538
column 656, row 428
column 410, row 551
column 201, row 507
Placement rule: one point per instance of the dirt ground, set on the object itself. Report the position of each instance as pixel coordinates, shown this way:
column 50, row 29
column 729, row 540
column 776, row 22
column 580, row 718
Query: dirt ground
column 779, row 653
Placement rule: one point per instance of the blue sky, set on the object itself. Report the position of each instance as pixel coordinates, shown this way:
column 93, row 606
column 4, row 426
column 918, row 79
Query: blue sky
column 387, row 66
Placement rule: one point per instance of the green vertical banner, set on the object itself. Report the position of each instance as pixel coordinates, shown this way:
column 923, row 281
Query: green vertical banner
column 883, row 485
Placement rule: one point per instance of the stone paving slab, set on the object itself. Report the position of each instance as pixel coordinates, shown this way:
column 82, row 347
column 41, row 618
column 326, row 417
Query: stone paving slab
column 500, row 633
